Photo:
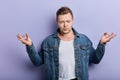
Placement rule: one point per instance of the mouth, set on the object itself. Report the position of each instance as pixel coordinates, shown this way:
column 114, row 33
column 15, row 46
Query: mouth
column 65, row 29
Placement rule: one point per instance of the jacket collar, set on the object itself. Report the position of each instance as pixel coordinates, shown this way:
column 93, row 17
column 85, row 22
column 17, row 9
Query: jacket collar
column 58, row 30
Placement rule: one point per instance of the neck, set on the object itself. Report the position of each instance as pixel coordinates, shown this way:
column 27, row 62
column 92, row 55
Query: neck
column 67, row 36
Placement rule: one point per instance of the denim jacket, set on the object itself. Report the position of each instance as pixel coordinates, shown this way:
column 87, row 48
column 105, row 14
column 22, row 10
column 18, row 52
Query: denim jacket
column 49, row 55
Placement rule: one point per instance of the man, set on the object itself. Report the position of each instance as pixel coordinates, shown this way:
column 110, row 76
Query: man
column 66, row 54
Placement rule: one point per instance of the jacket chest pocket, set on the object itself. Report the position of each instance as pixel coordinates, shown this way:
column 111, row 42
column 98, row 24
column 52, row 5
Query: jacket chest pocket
column 84, row 53
column 84, row 50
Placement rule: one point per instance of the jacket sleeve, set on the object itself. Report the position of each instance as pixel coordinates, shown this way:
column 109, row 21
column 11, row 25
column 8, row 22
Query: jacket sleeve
column 35, row 57
column 97, row 54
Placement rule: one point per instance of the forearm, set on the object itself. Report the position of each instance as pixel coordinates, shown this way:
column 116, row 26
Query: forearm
column 97, row 54
column 33, row 55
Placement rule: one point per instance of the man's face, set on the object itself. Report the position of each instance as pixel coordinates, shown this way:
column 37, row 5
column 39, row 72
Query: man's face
column 65, row 23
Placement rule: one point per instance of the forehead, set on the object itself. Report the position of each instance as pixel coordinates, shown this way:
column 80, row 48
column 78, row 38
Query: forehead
column 63, row 17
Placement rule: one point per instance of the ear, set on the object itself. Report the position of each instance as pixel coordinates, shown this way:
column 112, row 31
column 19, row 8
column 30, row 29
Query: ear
column 56, row 21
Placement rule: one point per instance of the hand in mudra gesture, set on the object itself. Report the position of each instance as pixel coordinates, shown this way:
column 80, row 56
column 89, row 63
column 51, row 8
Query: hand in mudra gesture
column 107, row 37
column 25, row 39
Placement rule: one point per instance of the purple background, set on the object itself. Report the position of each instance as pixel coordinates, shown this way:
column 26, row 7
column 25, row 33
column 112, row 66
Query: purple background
column 37, row 18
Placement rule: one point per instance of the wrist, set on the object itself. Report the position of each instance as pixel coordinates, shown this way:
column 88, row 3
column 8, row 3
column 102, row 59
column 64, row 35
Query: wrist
column 102, row 42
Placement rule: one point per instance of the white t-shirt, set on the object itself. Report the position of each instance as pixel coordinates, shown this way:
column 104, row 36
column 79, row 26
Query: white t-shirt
column 66, row 60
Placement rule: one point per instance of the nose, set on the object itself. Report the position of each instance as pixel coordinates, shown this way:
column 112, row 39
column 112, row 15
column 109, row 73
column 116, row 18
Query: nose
column 65, row 24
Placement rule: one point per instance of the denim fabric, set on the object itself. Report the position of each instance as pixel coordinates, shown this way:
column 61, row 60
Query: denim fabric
column 49, row 55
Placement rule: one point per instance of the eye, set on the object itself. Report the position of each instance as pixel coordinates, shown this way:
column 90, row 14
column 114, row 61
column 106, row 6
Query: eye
column 68, row 21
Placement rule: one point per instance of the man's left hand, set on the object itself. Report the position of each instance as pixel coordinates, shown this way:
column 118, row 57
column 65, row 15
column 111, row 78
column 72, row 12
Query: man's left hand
column 107, row 37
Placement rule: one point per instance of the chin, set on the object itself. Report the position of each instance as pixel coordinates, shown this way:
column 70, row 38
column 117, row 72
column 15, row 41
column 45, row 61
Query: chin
column 66, row 32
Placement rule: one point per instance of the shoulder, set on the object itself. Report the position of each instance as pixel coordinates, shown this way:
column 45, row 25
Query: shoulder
column 83, row 36
column 49, row 40
column 84, row 39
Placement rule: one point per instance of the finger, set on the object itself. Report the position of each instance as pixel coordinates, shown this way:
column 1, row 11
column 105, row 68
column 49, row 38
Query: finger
column 23, row 36
column 19, row 37
column 27, row 36
column 106, row 35
column 112, row 35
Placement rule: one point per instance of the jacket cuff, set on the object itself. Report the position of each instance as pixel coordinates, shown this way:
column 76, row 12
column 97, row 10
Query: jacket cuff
column 101, row 45
column 30, row 49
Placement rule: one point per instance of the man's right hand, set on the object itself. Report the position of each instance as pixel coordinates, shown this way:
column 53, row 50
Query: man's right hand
column 25, row 39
